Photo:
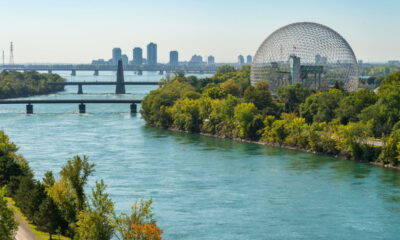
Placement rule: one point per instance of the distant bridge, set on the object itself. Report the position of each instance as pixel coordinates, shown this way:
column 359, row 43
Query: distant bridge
column 82, row 106
column 80, row 84
column 139, row 69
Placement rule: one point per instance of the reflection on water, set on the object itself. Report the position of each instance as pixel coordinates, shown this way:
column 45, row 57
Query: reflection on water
column 209, row 188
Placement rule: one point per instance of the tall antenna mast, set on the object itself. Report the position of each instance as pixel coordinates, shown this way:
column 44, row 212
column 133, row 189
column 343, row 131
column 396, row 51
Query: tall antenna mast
column 11, row 54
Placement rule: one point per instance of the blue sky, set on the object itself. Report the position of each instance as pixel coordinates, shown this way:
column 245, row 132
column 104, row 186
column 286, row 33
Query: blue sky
column 78, row 31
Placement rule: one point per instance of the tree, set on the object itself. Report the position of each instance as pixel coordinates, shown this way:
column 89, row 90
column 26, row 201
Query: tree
column 94, row 223
column 48, row 218
column 191, row 95
column 8, row 225
column 12, row 165
column 391, row 149
column 139, row 225
column 68, row 192
column 296, row 129
column 225, row 69
column 292, row 96
column 230, row 88
column 261, row 97
column 245, row 114
column 274, row 131
column 320, row 107
column 351, row 106
column 185, row 114
column 215, row 93
column 385, row 113
column 354, row 138
column 29, row 196
column 76, row 173
column 323, row 137
column 155, row 104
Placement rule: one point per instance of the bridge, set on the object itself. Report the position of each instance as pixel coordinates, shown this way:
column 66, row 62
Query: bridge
column 82, row 107
column 139, row 69
column 80, row 84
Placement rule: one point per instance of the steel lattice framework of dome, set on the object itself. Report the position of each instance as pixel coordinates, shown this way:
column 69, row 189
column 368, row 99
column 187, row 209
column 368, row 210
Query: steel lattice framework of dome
column 307, row 53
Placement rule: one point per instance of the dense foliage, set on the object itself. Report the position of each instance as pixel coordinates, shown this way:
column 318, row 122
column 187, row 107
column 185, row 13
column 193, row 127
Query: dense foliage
column 62, row 207
column 8, row 225
column 17, row 84
column 361, row 125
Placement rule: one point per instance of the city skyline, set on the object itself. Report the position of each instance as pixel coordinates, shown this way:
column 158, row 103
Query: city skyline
column 151, row 50
column 77, row 32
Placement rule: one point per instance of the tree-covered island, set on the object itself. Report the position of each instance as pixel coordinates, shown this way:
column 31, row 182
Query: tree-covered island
column 24, row 84
column 362, row 125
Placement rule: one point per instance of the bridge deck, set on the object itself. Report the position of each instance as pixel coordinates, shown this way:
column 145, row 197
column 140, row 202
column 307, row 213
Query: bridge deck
column 47, row 101
column 103, row 83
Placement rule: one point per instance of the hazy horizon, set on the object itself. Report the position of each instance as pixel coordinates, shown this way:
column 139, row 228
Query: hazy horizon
column 45, row 31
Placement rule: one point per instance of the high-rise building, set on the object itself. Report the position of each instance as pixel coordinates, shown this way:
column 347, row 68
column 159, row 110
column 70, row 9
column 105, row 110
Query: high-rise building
column 125, row 59
column 152, row 54
column 173, row 58
column 116, row 55
column 240, row 60
column 196, row 60
column 210, row 60
column 249, row 59
column 137, row 56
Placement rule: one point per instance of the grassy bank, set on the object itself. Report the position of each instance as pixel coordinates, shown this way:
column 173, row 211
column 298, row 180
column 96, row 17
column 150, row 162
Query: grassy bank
column 39, row 234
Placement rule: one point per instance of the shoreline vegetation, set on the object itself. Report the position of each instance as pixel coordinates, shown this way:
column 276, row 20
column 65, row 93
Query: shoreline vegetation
column 290, row 147
column 54, row 207
column 363, row 125
column 15, row 84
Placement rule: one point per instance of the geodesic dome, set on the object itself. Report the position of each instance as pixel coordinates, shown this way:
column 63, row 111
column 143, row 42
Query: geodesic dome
column 307, row 53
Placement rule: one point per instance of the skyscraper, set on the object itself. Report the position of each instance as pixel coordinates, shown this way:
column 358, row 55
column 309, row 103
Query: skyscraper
column 137, row 56
column 240, row 60
column 210, row 60
column 152, row 54
column 249, row 59
column 173, row 58
column 125, row 59
column 116, row 55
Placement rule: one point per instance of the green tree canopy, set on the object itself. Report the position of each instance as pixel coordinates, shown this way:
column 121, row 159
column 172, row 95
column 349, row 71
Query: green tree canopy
column 95, row 222
column 8, row 225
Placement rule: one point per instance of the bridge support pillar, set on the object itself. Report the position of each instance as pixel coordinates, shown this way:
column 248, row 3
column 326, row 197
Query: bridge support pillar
column 133, row 108
column 140, row 72
column 96, row 73
column 29, row 109
column 161, row 72
column 82, row 108
column 73, row 72
column 120, row 86
column 80, row 89
column 50, row 71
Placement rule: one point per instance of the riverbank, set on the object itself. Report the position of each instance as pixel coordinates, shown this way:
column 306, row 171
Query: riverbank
column 26, row 230
column 289, row 147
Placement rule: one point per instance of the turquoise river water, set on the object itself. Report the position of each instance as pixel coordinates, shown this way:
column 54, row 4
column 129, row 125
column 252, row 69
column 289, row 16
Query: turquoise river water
column 204, row 187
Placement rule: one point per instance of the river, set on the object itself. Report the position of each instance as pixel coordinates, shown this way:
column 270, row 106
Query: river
column 204, row 187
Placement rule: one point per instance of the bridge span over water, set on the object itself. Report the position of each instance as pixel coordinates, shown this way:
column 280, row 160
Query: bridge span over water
column 80, row 84
column 139, row 69
column 82, row 107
